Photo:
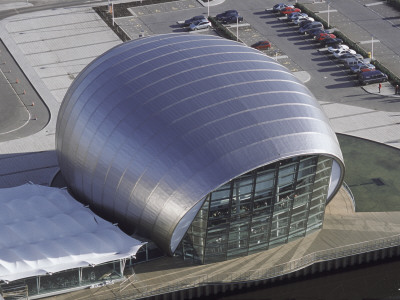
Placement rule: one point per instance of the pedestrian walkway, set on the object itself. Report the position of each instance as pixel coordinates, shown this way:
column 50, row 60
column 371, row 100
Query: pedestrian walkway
column 387, row 89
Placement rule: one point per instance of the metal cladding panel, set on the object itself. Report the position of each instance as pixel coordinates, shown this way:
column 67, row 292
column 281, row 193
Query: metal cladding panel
column 153, row 125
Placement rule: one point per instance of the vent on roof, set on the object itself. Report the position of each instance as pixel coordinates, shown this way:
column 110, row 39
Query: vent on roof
column 378, row 181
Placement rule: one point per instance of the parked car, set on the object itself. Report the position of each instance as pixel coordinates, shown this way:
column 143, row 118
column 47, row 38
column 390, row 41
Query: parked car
column 346, row 57
column 311, row 26
column 352, row 61
column 277, row 7
column 323, row 35
column 340, row 52
column 296, row 15
column 372, row 77
column 187, row 22
column 331, row 42
column 202, row 24
column 332, row 49
column 229, row 16
column 314, row 32
column 261, row 45
column 304, row 22
column 227, row 13
column 289, row 10
column 297, row 21
column 361, row 67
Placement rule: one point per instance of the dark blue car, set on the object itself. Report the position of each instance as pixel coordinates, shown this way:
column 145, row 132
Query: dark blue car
column 229, row 16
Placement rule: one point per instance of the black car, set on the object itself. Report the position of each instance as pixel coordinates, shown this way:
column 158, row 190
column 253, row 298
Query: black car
column 372, row 77
column 310, row 27
column 229, row 16
column 314, row 32
column 304, row 22
column 331, row 42
column 187, row 22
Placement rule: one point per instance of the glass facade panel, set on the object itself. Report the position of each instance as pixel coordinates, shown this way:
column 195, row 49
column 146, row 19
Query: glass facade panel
column 260, row 210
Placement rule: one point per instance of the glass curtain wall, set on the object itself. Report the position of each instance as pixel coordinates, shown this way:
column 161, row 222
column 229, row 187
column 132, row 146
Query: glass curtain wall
column 259, row 210
column 69, row 279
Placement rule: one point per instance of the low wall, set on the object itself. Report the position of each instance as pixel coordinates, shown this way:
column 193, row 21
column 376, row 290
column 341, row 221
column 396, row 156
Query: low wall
column 320, row 267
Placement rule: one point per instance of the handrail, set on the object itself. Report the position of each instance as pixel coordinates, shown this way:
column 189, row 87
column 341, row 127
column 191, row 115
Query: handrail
column 348, row 190
column 267, row 273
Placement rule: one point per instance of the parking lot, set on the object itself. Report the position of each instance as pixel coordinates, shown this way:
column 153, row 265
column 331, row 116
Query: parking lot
column 297, row 52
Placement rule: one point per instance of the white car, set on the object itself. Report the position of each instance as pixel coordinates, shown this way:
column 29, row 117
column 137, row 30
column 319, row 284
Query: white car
column 339, row 53
column 295, row 15
column 341, row 47
column 298, row 20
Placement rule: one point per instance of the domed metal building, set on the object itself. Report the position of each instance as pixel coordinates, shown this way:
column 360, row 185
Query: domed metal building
column 192, row 134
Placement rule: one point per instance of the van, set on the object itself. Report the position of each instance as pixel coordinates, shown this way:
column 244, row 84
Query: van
column 352, row 61
column 372, row 77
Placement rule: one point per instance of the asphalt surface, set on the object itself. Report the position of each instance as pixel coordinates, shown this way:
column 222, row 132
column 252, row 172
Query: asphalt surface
column 330, row 81
column 23, row 112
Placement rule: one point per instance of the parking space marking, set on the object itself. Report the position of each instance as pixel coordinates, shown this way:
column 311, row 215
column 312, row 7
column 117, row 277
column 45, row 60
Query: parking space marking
column 375, row 3
column 327, row 11
column 369, row 42
column 236, row 25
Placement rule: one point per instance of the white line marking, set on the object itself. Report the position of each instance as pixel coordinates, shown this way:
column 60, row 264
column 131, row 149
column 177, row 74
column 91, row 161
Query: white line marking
column 375, row 3
column 369, row 41
column 326, row 11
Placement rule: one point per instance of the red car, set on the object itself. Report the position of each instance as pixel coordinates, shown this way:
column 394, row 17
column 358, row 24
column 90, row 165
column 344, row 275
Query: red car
column 323, row 36
column 289, row 10
column 366, row 70
column 261, row 45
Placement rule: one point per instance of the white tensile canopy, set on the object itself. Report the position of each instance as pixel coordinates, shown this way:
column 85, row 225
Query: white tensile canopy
column 44, row 230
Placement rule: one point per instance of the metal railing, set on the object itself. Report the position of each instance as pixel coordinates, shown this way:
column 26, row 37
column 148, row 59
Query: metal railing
column 178, row 284
column 348, row 190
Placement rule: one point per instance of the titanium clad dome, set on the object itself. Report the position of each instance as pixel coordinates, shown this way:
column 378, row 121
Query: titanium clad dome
column 152, row 126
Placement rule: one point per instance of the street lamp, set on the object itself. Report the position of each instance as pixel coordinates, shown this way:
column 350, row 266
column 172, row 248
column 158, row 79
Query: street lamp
column 237, row 28
column 372, row 48
column 328, row 14
column 112, row 10
column 208, row 8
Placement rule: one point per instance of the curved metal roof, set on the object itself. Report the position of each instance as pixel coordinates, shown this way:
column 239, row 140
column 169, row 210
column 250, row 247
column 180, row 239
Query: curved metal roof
column 153, row 125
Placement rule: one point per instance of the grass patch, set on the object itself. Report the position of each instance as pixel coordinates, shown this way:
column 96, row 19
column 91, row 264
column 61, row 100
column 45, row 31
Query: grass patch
column 367, row 165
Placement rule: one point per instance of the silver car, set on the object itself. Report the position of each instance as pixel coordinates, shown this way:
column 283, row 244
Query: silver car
column 202, row 24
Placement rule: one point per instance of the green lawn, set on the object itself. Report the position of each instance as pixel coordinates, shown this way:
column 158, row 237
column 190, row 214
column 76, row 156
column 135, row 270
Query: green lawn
column 372, row 173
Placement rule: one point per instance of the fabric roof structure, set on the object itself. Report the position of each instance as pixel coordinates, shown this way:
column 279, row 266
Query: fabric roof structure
column 153, row 125
column 44, row 230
